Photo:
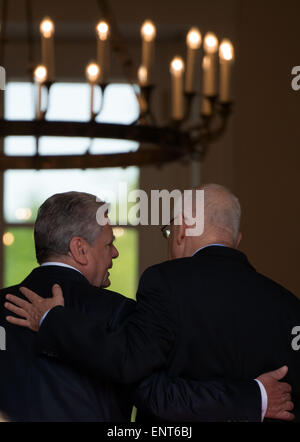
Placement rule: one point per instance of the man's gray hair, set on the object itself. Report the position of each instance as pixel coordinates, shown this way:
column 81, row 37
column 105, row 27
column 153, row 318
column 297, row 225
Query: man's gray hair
column 222, row 209
column 62, row 217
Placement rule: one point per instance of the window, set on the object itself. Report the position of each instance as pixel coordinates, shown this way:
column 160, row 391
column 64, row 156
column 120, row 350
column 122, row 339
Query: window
column 24, row 191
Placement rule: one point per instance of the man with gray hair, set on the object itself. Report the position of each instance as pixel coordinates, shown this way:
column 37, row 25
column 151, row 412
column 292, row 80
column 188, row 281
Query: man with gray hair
column 75, row 252
column 202, row 315
column 221, row 217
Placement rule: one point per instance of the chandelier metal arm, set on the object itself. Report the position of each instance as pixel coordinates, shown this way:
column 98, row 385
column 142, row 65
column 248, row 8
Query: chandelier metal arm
column 167, row 143
column 207, row 132
column 30, row 39
column 144, row 157
column 145, row 134
column 4, row 9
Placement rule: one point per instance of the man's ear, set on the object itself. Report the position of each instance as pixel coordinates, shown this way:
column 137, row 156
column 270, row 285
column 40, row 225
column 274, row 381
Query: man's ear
column 180, row 232
column 239, row 239
column 78, row 250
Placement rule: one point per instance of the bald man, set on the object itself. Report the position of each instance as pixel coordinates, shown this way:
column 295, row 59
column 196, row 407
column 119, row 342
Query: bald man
column 206, row 313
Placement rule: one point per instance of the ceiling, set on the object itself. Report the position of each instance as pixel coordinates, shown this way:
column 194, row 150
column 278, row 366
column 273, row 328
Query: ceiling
column 77, row 18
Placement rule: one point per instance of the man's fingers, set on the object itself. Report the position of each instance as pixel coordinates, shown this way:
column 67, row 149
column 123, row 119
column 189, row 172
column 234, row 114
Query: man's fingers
column 286, row 416
column 285, row 388
column 57, row 293
column 17, row 321
column 289, row 406
column 14, row 309
column 279, row 373
column 29, row 294
column 18, row 301
column 288, row 397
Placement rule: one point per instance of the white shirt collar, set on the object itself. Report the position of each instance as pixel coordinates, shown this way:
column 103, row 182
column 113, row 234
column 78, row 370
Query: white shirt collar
column 209, row 245
column 60, row 264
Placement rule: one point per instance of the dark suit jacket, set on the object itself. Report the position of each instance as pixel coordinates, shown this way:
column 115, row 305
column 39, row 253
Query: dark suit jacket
column 36, row 388
column 208, row 316
column 231, row 320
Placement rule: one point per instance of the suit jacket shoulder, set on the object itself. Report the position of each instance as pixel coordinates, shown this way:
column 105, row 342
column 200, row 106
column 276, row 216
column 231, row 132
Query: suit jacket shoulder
column 39, row 388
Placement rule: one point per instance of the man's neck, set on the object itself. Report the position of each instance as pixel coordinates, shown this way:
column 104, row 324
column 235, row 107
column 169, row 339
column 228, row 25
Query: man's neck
column 62, row 262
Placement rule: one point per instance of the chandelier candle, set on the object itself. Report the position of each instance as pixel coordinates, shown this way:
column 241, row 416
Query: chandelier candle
column 143, row 82
column 47, row 40
column 206, row 108
column 103, row 60
column 143, row 76
column 148, row 33
column 40, row 76
column 92, row 73
column 210, row 65
column 177, row 70
column 226, row 54
column 193, row 41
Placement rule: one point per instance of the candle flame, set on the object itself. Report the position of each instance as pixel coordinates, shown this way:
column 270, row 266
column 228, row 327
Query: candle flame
column 177, row 66
column 47, row 28
column 40, row 74
column 226, row 50
column 92, row 72
column 210, row 43
column 148, row 30
column 103, row 30
column 193, row 38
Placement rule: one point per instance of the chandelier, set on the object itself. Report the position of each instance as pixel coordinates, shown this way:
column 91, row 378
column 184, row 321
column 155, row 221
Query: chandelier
column 183, row 138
